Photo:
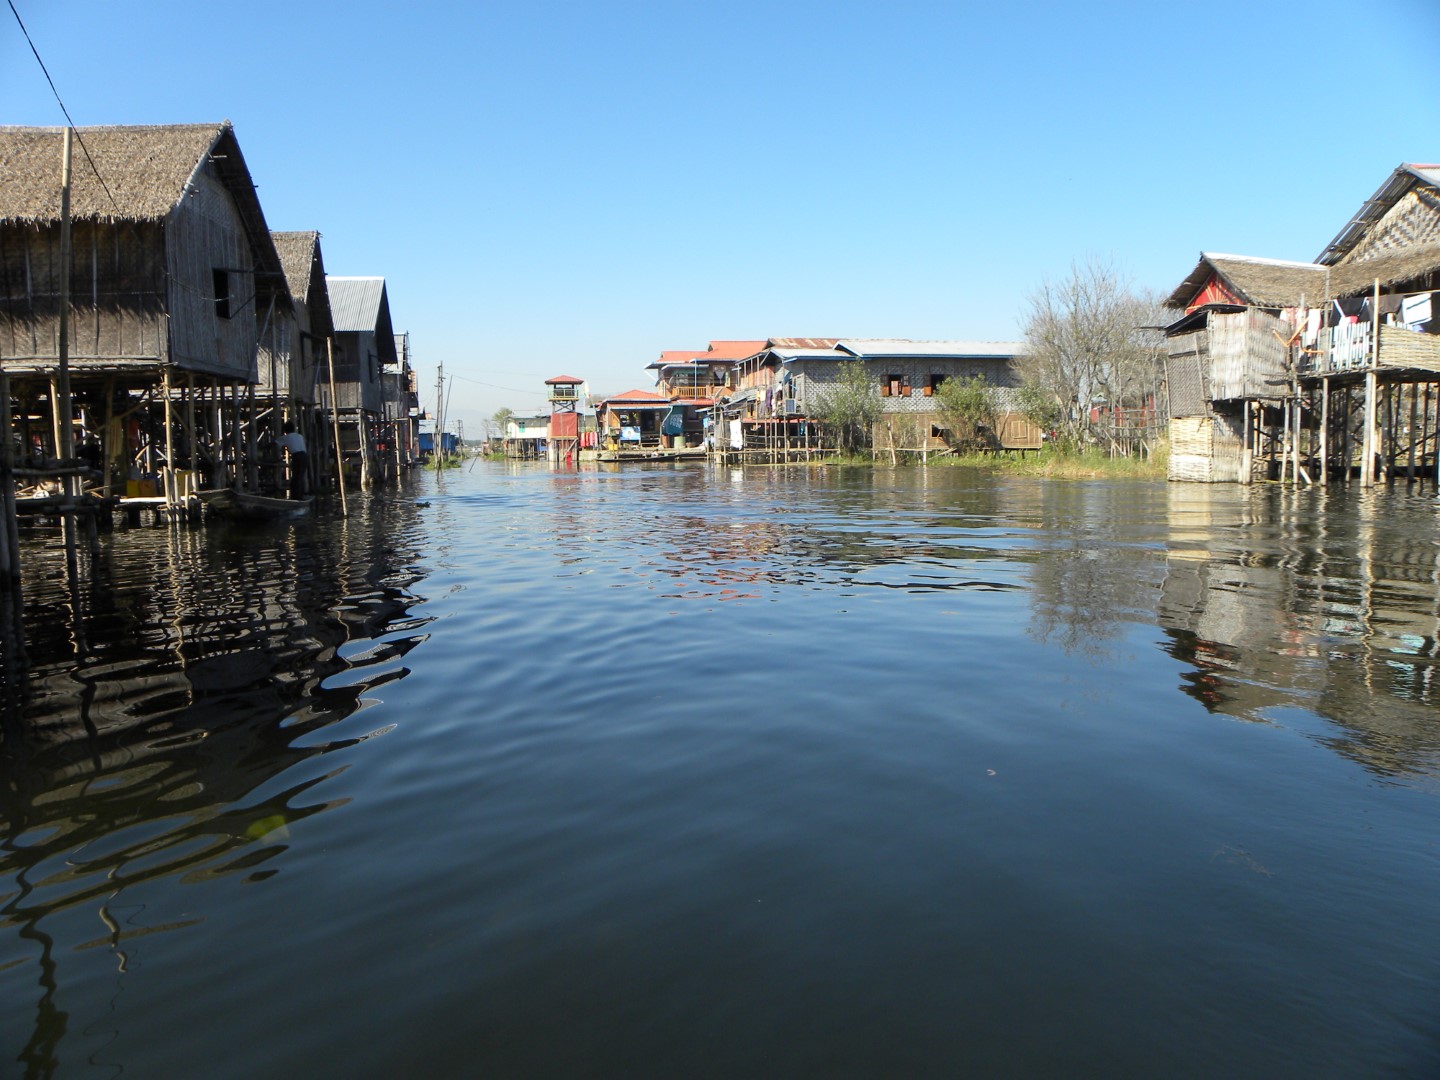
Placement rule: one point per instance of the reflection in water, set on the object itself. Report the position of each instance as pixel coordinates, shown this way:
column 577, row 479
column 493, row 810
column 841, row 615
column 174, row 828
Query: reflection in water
column 829, row 750
column 1323, row 600
column 184, row 674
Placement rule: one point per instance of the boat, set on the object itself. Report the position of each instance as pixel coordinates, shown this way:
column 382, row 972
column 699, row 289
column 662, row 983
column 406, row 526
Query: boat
column 247, row 506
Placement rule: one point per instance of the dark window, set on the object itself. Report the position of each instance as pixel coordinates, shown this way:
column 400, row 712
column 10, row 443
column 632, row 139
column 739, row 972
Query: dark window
column 894, row 386
column 222, row 294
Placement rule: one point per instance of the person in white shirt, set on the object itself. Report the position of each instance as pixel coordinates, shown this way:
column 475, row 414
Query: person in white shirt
column 293, row 443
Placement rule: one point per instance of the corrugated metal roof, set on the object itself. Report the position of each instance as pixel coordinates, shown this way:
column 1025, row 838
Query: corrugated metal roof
column 809, row 354
column 356, row 303
column 931, row 349
column 1396, row 185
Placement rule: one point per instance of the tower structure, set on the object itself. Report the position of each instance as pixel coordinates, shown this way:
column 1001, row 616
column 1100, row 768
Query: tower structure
column 564, row 394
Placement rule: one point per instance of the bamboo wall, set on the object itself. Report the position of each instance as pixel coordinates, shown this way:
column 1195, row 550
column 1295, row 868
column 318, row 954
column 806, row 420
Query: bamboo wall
column 1205, row 449
column 1247, row 355
column 357, row 374
column 202, row 234
column 117, row 293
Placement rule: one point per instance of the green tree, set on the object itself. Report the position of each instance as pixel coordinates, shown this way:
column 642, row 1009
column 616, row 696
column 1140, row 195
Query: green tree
column 850, row 406
column 501, row 419
column 968, row 408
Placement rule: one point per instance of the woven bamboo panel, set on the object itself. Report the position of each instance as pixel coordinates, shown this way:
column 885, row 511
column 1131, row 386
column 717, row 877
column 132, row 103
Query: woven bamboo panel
column 1408, row 349
column 1204, row 449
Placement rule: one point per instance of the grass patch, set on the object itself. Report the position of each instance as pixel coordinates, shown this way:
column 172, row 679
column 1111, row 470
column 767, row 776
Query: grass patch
column 1060, row 465
column 1049, row 462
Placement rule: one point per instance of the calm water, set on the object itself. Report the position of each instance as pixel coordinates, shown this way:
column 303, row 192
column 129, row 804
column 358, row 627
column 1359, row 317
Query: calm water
column 687, row 773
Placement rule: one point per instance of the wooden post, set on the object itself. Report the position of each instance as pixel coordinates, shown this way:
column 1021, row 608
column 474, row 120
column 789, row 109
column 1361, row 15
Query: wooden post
column 9, row 529
column 190, row 424
column 1324, row 430
column 1414, row 424
column 335, row 426
column 168, row 476
column 65, row 448
column 362, row 433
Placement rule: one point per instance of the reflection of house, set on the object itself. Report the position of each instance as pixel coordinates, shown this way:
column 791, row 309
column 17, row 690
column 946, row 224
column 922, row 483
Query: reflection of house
column 1268, row 617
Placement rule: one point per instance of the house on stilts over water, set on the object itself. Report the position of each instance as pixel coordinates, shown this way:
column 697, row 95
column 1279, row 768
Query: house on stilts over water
column 173, row 275
column 1316, row 371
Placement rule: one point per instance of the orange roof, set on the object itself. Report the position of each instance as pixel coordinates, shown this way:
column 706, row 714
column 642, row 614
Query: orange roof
column 638, row 396
column 563, row 379
column 733, row 350
column 680, row 356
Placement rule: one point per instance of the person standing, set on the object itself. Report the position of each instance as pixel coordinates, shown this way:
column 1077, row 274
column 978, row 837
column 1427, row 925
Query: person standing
column 293, row 443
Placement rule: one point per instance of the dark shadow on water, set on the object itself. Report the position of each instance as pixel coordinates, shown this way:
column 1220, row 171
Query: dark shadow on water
column 186, row 672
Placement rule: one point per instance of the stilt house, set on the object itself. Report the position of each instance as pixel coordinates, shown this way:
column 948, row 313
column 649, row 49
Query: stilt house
column 171, row 260
column 364, row 347
column 304, row 268
column 1229, row 347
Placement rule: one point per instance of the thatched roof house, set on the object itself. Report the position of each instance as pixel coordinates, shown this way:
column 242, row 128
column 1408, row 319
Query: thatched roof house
column 171, row 254
column 1236, row 281
column 300, row 355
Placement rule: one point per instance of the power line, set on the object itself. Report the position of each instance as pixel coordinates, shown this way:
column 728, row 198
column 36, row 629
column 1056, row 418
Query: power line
column 64, row 110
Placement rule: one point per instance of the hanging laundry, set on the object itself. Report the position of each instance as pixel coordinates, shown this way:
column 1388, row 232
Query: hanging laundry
column 1415, row 311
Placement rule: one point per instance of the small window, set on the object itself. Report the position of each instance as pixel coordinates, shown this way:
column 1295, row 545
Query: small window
column 936, row 380
column 222, row 293
column 894, row 386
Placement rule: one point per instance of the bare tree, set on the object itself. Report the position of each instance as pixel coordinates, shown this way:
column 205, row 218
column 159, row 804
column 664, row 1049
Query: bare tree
column 1092, row 350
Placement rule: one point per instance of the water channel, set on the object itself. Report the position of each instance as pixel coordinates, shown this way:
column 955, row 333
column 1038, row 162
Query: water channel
column 703, row 772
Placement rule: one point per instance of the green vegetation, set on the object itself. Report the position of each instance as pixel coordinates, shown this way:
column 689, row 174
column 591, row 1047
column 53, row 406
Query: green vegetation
column 1060, row 464
column 968, row 408
column 1051, row 462
column 850, row 407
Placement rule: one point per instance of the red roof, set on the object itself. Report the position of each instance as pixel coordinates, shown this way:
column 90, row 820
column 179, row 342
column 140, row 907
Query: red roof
column 563, row 379
column 638, row 397
column 681, row 356
column 733, row 350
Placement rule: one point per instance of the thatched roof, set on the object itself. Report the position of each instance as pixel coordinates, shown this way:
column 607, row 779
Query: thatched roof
column 1255, row 281
column 144, row 168
column 1353, row 279
column 305, row 275
column 146, row 172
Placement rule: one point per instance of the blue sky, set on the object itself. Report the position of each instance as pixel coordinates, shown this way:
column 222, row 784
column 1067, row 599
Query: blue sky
column 557, row 187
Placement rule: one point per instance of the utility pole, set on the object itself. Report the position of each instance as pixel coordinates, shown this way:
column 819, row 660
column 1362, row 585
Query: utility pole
column 440, row 418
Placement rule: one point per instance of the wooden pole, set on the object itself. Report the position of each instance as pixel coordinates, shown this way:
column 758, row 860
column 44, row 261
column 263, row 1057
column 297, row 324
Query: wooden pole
column 335, row 428
column 1324, row 430
column 65, row 448
column 1414, row 411
column 168, row 476
column 9, row 529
